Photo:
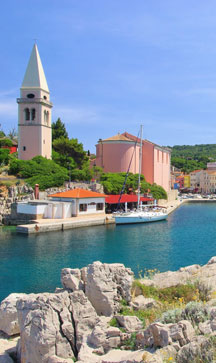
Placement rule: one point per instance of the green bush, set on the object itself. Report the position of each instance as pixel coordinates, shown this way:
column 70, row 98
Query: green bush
column 6, row 142
column 40, row 171
column 4, row 156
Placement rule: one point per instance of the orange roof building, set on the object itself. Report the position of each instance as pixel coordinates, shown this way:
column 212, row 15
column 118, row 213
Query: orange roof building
column 82, row 201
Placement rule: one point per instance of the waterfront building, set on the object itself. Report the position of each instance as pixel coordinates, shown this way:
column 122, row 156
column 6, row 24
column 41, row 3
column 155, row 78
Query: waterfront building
column 195, row 179
column 116, row 153
column 34, row 109
column 208, row 181
column 72, row 203
column 211, row 166
column 180, row 181
column 187, row 182
column 82, row 201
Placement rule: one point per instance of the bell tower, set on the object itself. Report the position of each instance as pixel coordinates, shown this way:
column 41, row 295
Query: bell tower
column 34, row 108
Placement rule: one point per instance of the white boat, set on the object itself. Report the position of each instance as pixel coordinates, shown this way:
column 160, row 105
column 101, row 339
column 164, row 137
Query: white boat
column 141, row 215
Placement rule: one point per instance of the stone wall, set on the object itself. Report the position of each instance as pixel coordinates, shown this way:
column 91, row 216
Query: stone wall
column 10, row 195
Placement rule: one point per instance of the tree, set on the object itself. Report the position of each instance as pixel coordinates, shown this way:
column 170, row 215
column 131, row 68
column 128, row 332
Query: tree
column 5, row 142
column 4, row 156
column 158, row 192
column 59, row 130
column 12, row 133
column 97, row 172
column 70, row 152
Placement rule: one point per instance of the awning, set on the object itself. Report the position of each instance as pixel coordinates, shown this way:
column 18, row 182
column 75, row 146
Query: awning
column 126, row 198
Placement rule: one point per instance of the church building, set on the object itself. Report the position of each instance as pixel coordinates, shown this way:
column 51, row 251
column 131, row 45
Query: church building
column 34, row 109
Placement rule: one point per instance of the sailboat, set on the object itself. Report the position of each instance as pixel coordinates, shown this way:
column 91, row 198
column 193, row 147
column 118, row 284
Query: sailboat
column 143, row 214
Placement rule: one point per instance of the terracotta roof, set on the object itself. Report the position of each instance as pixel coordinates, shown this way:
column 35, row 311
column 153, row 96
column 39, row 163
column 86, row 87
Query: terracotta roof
column 134, row 138
column 129, row 198
column 118, row 137
column 78, row 193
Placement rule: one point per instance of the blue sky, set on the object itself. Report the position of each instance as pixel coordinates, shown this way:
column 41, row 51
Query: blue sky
column 114, row 64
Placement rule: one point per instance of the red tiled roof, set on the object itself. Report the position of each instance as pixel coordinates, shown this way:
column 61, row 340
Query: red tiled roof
column 78, row 193
column 129, row 198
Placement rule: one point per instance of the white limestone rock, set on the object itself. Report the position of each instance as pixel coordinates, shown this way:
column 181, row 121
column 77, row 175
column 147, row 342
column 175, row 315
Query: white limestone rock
column 55, row 359
column 130, row 323
column 142, row 303
column 205, row 327
column 106, row 285
column 104, row 337
column 71, row 279
column 8, row 314
column 205, row 274
column 199, row 349
column 212, row 260
column 161, row 334
column 46, row 327
column 84, row 316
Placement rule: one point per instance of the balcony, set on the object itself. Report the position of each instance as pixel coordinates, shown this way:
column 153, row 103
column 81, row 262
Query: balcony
column 34, row 100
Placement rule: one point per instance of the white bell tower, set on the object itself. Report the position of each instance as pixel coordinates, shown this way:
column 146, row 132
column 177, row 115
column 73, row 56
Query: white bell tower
column 34, row 108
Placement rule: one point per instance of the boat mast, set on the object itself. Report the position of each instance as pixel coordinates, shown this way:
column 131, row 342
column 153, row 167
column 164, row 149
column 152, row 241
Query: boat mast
column 140, row 166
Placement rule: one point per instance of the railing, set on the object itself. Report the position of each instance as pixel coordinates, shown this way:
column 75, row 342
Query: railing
column 33, row 100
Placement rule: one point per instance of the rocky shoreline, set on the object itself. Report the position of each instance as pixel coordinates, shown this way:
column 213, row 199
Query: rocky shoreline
column 102, row 314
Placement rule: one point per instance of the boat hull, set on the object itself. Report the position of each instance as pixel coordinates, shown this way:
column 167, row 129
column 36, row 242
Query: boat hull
column 139, row 219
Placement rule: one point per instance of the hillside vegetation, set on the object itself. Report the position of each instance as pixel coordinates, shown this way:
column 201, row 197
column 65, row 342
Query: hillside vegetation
column 192, row 157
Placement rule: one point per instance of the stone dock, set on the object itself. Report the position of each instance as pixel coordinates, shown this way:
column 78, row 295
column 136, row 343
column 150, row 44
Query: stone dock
column 49, row 225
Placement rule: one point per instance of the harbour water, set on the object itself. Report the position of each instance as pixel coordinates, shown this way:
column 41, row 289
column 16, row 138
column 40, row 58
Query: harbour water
column 33, row 263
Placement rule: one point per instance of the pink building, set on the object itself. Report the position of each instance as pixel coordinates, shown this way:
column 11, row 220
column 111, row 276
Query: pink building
column 115, row 153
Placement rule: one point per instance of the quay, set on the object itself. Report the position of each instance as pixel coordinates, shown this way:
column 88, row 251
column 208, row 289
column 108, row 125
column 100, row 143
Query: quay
column 44, row 225
column 49, row 225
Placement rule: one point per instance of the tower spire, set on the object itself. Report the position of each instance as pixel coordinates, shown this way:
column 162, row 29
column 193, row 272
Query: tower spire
column 34, row 75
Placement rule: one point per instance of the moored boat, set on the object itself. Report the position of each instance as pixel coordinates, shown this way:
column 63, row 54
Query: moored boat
column 140, row 215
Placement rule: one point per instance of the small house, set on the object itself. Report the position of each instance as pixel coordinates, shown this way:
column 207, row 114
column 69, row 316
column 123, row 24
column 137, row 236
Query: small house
column 83, row 202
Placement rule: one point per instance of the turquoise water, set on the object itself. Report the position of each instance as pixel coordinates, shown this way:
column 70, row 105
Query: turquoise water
column 33, row 263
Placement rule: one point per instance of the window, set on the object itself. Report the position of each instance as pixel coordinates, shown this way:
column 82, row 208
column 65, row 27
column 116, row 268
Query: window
column 24, row 148
column 46, row 117
column 45, row 97
column 44, row 141
column 27, row 114
column 30, row 95
column 99, row 206
column 83, row 207
column 33, row 112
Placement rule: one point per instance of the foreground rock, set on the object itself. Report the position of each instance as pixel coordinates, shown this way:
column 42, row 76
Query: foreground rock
column 75, row 322
column 104, row 285
column 205, row 274
column 8, row 314
column 54, row 324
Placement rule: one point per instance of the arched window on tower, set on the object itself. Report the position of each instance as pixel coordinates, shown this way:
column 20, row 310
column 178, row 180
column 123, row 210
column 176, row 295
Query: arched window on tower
column 33, row 112
column 46, row 117
column 27, row 114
